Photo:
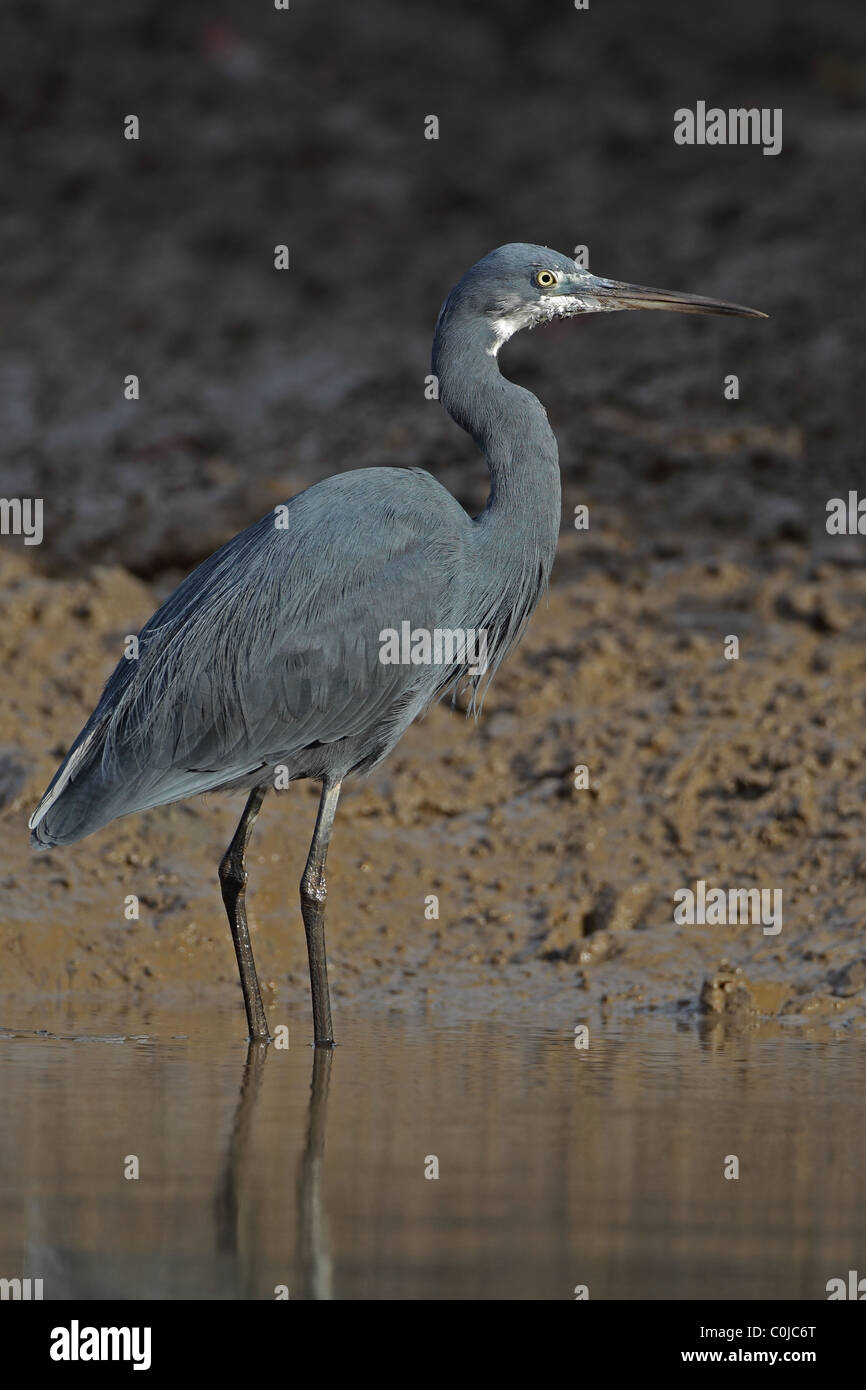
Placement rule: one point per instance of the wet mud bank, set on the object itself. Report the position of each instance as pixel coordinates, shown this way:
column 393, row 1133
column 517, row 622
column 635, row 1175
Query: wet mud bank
column 471, row 873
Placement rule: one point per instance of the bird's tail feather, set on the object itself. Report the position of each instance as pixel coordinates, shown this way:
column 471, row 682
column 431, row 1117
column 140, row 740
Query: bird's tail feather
column 51, row 823
column 87, row 791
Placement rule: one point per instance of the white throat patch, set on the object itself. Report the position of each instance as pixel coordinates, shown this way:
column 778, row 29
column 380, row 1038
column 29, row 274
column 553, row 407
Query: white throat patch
column 545, row 308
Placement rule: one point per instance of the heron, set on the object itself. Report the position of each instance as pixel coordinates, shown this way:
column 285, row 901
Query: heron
column 267, row 664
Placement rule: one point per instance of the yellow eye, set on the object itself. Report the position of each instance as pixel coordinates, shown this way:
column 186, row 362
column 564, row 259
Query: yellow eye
column 545, row 278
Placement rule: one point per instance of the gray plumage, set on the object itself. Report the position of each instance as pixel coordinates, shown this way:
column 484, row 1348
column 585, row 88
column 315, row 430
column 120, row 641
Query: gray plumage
column 268, row 655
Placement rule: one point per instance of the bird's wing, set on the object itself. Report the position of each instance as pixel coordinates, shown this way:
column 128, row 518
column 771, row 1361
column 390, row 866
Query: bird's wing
column 273, row 644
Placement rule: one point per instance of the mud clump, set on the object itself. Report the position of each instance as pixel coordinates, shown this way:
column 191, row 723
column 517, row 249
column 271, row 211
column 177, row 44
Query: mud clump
column 729, row 992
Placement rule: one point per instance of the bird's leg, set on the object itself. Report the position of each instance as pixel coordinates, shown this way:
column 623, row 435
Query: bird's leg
column 314, row 892
column 233, row 882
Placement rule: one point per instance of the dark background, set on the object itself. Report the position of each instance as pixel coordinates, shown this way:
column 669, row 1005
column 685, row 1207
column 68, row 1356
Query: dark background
column 261, row 127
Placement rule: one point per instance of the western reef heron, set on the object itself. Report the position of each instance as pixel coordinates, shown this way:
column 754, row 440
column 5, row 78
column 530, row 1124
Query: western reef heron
column 268, row 661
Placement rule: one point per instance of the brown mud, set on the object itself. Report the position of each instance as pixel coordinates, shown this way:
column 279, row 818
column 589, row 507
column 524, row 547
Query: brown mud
column 551, row 899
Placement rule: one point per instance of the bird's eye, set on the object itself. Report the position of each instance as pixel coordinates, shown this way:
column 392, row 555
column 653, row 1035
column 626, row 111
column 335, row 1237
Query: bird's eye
column 545, row 278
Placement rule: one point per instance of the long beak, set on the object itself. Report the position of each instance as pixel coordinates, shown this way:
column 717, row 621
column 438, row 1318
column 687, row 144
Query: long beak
column 615, row 294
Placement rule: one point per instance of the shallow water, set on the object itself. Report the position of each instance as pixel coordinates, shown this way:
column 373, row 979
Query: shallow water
column 557, row 1167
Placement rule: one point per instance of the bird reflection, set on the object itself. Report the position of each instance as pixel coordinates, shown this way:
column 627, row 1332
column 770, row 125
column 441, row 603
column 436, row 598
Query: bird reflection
column 313, row 1248
column 226, row 1199
column 313, row 1264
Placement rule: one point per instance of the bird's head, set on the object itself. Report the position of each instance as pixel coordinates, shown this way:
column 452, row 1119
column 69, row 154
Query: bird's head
column 521, row 285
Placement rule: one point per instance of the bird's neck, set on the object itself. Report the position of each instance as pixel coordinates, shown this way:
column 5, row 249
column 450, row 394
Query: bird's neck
column 511, row 429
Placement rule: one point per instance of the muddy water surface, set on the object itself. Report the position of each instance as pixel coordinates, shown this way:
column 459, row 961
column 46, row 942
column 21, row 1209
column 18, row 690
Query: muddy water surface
column 556, row 1167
